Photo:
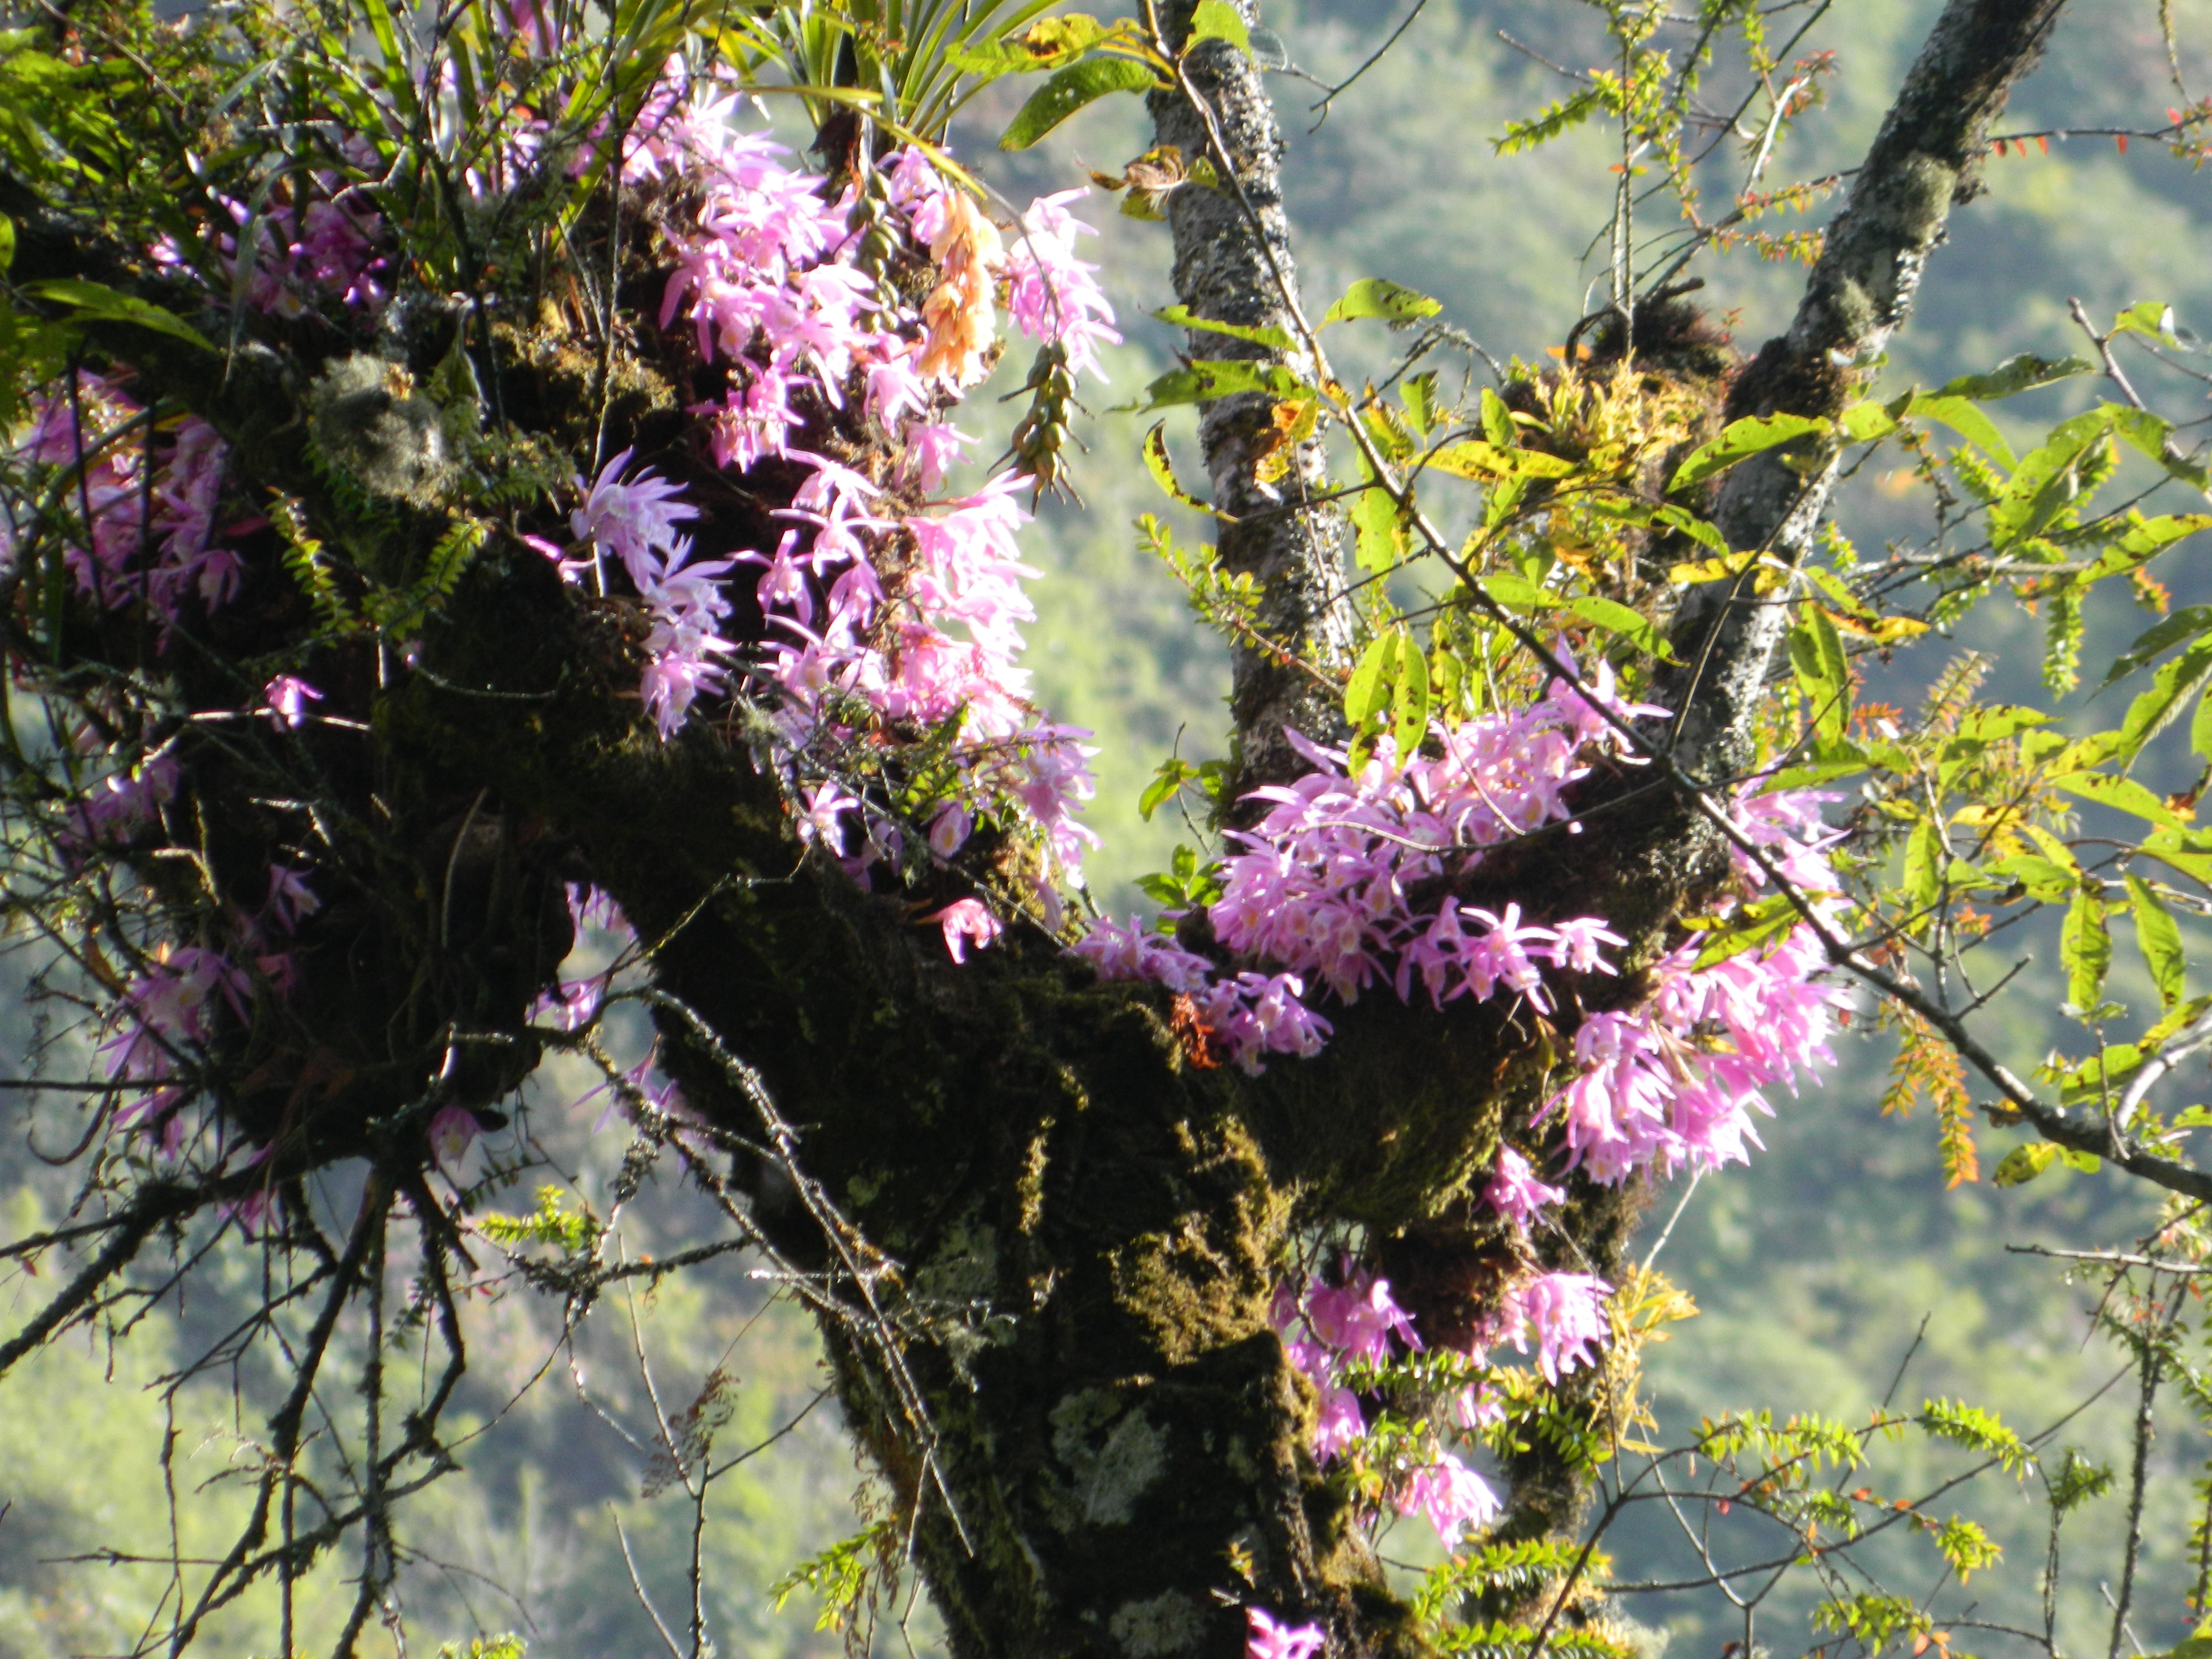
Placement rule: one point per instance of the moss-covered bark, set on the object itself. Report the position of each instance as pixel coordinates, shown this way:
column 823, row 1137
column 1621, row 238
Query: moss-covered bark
column 1079, row 1223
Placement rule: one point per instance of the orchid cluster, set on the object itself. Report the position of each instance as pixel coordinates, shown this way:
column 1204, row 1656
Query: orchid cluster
column 147, row 497
column 1339, row 1336
column 891, row 614
column 1321, row 888
column 570, row 1005
column 1649, row 1092
column 173, row 1000
column 328, row 248
column 1321, row 885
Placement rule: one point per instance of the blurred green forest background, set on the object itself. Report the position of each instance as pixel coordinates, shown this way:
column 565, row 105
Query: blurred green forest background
column 1819, row 1271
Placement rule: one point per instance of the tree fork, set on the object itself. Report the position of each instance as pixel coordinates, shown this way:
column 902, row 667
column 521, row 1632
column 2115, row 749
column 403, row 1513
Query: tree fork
column 1923, row 163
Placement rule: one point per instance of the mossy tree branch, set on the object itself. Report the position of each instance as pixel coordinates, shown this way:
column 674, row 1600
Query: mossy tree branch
column 1922, row 165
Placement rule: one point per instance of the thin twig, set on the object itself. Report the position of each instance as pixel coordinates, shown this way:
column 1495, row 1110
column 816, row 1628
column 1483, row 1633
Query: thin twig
column 1321, row 107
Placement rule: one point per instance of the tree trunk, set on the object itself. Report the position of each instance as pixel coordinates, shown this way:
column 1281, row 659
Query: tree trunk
column 1233, row 264
column 1043, row 1231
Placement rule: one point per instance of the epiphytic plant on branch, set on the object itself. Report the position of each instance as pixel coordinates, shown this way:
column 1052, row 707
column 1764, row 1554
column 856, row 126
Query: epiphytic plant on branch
column 473, row 492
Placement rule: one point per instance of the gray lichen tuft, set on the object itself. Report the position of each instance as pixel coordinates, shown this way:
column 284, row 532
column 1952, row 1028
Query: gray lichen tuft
column 366, row 419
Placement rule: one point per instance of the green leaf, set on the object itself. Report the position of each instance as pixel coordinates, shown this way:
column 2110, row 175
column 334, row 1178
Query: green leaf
column 1975, row 1429
column 1047, row 44
column 1216, row 20
column 1166, row 784
column 1963, row 417
column 1497, row 421
column 2023, row 1164
column 95, row 303
column 2159, row 938
column 1816, row 652
column 2122, row 795
column 1068, row 91
column 1418, row 394
column 1367, row 693
column 2152, row 435
column 1752, row 926
column 2044, row 484
column 1379, row 539
column 1267, row 335
column 7, row 242
column 1376, row 296
column 1162, row 467
column 2085, row 950
column 1471, row 458
column 1557, row 118
column 1391, row 433
column 2200, row 727
column 1409, row 706
column 1923, row 864
column 2185, row 850
column 1817, row 773
column 1206, row 380
column 2198, row 1646
column 1689, row 524
column 1739, row 440
column 2013, row 376
column 2153, row 318
column 1617, row 618
column 2045, row 882
column 2153, row 710
column 1866, row 420
column 2148, row 537
column 1518, row 593
column 1994, row 722
column 2184, row 623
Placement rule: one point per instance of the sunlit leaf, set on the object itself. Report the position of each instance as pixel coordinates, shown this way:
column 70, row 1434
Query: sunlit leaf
column 94, row 302
column 2158, row 937
column 1471, row 458
column 1069, row 90
column 1216, row 20
column 1266, row 334
column 2122, row 795
column 2023, row 1164
column 1964, row 417
column 2013, row 376
column 2085, row 950
column 1924, row 864
column 2171, row 689
column 1205, row 381
column 1376, row 296
column 1739, row 442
